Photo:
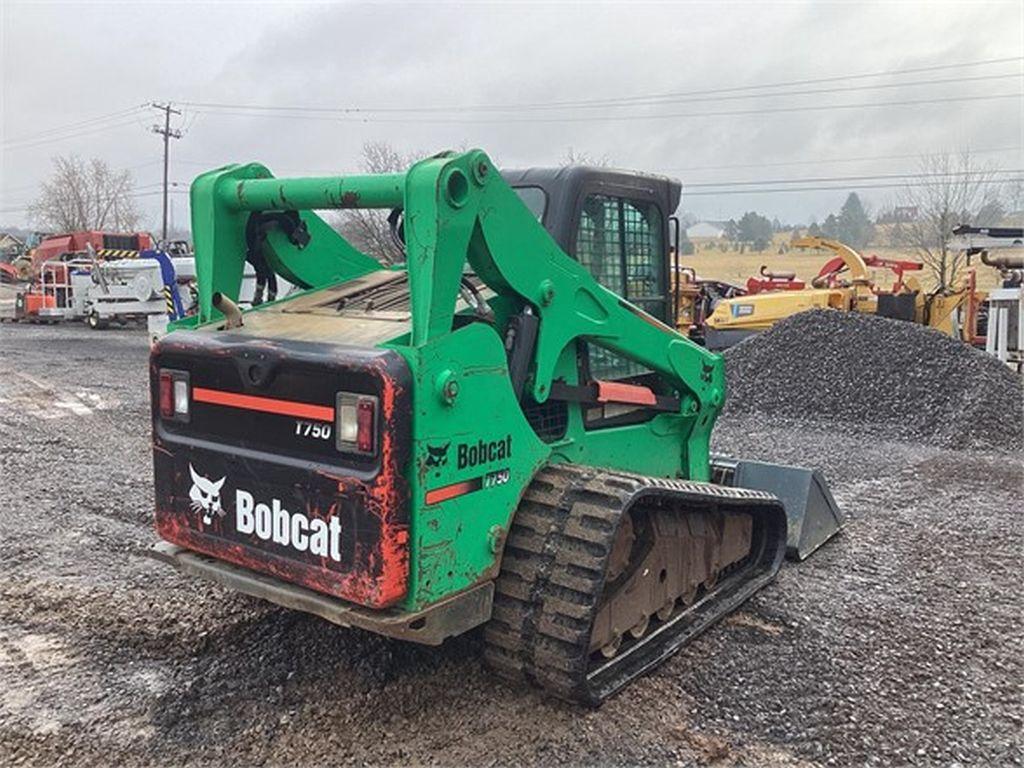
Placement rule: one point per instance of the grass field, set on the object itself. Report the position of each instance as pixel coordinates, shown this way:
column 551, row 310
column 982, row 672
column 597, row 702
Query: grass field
column 735, row 267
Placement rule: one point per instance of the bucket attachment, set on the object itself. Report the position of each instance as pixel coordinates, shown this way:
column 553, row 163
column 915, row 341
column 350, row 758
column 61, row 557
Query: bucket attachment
column 812, row 514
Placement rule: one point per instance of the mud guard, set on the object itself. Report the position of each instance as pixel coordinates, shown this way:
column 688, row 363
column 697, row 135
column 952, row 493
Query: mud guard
column 811, row 512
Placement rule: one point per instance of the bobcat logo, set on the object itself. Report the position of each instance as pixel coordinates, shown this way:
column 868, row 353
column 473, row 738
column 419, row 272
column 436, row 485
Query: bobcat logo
column 205, row 496
column 437, row 456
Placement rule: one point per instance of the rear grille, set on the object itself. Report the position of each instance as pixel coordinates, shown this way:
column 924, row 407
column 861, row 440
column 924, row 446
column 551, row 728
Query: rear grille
column 392, row 296
column 549, row 420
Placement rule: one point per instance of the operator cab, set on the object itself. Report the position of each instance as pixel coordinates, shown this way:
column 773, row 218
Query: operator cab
column 615, row 223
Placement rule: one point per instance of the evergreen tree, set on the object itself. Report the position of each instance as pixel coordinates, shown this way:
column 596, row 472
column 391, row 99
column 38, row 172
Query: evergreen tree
column 853, row 225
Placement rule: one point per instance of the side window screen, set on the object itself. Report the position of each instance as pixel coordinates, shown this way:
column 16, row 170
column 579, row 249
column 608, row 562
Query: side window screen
column 609, row 366
column 599, row 241
column 620, row 242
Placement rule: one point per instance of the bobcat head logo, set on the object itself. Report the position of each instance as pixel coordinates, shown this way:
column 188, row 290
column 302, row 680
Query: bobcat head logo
column 437, row 455
column 205, row 496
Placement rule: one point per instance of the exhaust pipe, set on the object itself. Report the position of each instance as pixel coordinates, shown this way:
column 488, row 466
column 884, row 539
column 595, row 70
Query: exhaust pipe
column 232, row 314
column 1003, row 262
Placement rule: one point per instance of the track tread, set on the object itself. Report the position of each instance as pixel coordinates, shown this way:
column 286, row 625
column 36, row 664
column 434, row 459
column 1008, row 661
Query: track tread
column 553, row 571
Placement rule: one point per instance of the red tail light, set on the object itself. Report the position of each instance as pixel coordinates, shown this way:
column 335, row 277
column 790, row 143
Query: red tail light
column 356, row 429
column 166, row 395
column 175, row 396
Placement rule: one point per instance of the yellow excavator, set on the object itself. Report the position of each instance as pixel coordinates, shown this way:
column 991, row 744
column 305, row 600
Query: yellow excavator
column 845, row 283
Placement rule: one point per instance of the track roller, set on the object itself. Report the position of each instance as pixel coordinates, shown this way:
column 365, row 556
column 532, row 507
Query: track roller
column 606, row 574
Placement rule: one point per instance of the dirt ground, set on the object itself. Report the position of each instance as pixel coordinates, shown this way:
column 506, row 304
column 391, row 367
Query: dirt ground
column 898, row 643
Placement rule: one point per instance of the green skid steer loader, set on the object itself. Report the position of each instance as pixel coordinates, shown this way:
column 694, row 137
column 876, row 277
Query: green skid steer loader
column 503, row 431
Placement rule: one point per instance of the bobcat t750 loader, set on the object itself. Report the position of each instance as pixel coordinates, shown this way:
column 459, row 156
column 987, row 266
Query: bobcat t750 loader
column 503, row 431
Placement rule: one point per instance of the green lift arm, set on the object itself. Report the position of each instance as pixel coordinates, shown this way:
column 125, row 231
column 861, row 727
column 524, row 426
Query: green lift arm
column 458, row 211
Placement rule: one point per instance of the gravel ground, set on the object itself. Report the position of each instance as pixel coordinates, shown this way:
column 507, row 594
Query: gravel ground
column 894, row 378
column 897, row 643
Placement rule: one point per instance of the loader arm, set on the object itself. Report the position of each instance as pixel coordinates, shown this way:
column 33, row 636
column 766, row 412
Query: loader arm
column 458, row 211
column 488, row 226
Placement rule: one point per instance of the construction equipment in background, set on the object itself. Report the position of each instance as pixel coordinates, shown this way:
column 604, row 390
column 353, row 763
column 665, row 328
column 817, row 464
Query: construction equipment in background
column 73, row 245
column 506, row 430
column 1002, row 329
column 773, row 281
column 150, row 285
column 845, row 283
column 50, row 281
column 695, row 299
column 101, row 291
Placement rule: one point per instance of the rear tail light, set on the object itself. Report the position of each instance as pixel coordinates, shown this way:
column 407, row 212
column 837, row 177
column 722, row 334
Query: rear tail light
column 174, row 395
column 356, row 426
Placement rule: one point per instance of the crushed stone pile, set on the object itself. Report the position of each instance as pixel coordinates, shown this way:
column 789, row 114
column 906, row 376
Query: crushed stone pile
column 893, row 378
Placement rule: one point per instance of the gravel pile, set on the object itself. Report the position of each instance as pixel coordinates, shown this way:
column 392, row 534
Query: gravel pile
column 894, row 378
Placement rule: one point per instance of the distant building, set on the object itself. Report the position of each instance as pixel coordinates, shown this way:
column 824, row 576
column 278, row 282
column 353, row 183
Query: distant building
column 10, row 246
column 904, row 213
column 705, row 230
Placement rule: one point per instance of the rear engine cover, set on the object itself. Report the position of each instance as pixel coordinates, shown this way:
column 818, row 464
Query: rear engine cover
column 255, row 477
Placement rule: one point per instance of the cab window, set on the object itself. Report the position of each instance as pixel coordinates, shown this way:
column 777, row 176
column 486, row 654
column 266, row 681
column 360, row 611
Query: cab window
column 535, row 199
column 620, row 242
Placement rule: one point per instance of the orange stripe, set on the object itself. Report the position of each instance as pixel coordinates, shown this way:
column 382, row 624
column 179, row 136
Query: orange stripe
column 446, row 492
column 265, row 404
column 617, row 392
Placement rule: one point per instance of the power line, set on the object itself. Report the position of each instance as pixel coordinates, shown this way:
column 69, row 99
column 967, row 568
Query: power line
column 368, row 111
column 60, row 129
column 826, row 161
column 209, row 164
column 75, row 135
column 626, row 118
column 616, row 105
column 837, row 188
column 872, row 177
column 615, row 101
column 806, row 81
column 24, row 187
column 22, row 207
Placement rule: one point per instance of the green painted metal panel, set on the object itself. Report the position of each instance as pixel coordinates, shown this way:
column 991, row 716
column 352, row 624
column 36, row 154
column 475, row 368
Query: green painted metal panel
column 458, row 213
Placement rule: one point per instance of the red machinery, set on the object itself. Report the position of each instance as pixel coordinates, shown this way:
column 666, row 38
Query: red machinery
column 773, row 281
column 55, row 249
column 828, row 275
column 107, row 244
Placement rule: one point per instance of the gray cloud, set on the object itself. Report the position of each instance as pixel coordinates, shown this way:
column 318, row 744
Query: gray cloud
column 66, row 62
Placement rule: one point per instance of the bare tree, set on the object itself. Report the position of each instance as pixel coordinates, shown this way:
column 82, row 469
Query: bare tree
column 1014, row 197
column 955, row 190
column 85, row 195
column 368, row 229
column 581, row 157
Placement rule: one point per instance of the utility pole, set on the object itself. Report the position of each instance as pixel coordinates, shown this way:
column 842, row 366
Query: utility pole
column 168, row 134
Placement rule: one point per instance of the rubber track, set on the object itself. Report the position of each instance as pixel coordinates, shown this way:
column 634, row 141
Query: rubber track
column 552, row 572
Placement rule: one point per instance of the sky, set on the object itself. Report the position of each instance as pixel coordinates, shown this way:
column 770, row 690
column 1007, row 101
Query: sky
column 685, row 89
